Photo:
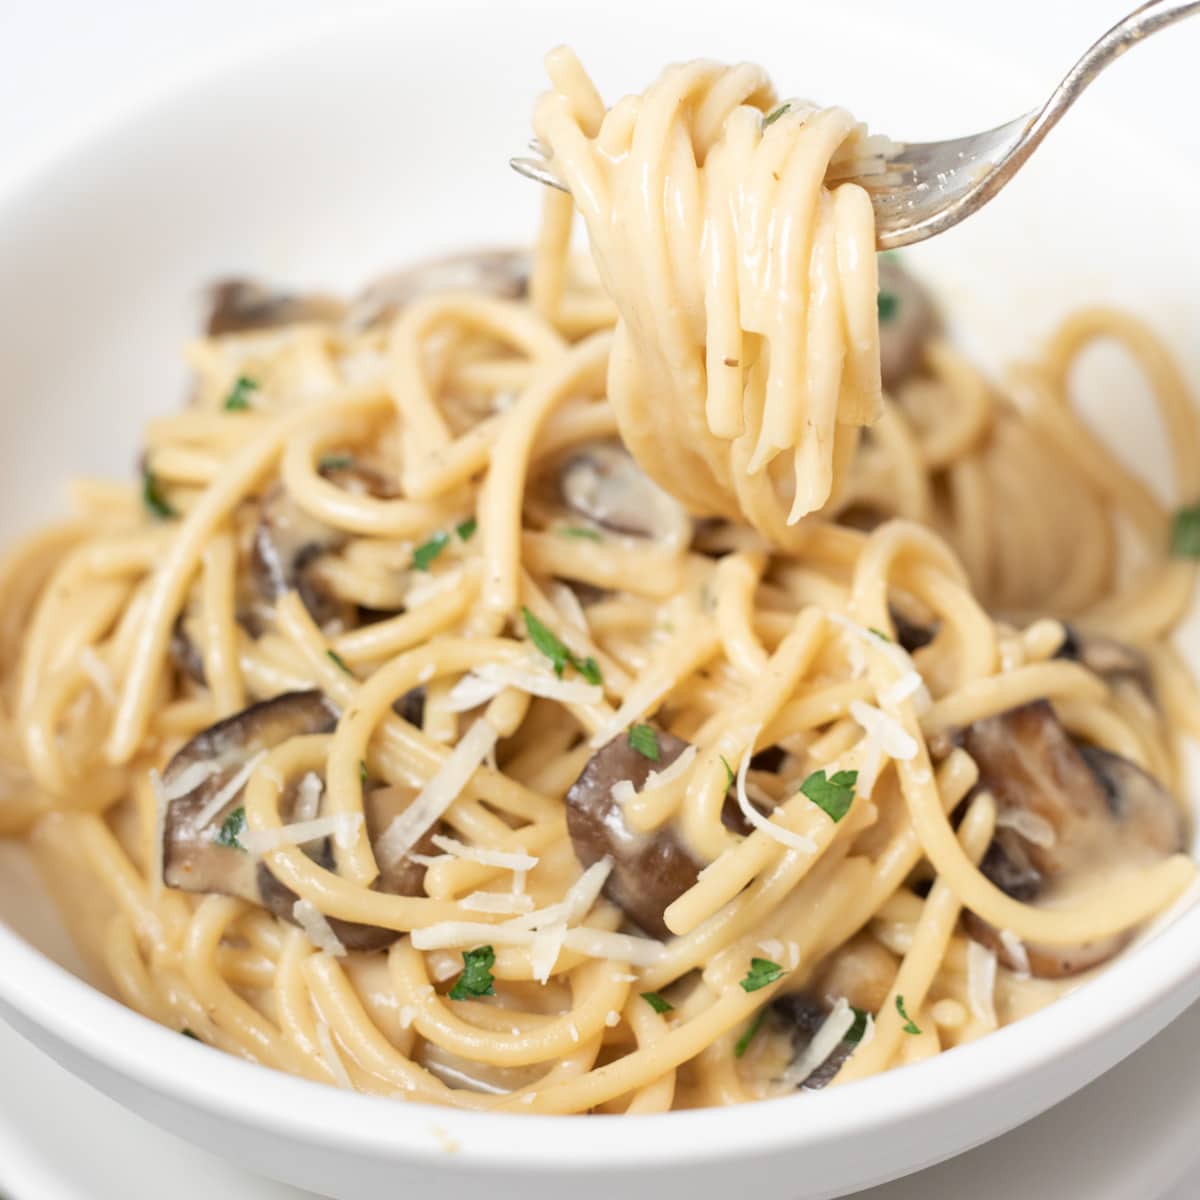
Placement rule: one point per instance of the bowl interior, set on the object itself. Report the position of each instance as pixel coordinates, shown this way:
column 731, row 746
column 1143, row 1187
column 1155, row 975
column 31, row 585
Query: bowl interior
column 332, row 159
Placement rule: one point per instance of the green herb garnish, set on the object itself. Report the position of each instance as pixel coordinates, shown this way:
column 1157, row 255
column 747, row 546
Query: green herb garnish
column 560, row 657
column 854, row 1034
column 889, row 304
column 335, row 462
column 466, row 529
column 657, row 1003
column 645, row 741
column 339, row 661
column 426, row 552
column 238, row 399
column 909, row 1025
column 1185, row 532
column 774, row 115
column 153, row 498
column 730, row 776
column 833, row 796
column 762, row 972
column 231, row 829
column 580, row 531
column 883, row 637
column 743, row 1043
column 476, row 979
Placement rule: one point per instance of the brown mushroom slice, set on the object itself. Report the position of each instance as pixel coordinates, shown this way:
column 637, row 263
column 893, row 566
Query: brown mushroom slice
column 650, row 870
column 800, row 1016
column 500, row 273
column 1067, row 816
column 906, row 321
column 194, row 857
column 1115, row 662
column 287, row 541
column 244, row 306
column 185, row 654
column 603, row 484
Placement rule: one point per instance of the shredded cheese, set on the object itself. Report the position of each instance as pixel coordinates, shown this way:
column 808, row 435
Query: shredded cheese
column 227, row 793
column 785, row 837
column 546, row 946
column 567, row 602
column 824, row 1042
column 1016, row 952
column 617, row 947
column 981, row 982
column 506, row 860
column 497, row 902
column 884, row 731
column 310, row 918
column 342, row 827
column 490, row 679
column 623, row 791
column 190, row 778
column 612, row 1019
column 1029, row 825
column 893, row 652
column 437, row 795
column 308, row 798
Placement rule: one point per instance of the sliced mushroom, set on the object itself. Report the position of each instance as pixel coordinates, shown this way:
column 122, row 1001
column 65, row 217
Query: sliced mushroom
column 800, row 1015
column 911, row 635
column 1115, row 662
column 243, row 306
column 500, row 273
column 1067, row 816
column 906, row 321
column 602, row 483
column 195, row 859
column 287, row 541
column 650, row 870
column 185, row 654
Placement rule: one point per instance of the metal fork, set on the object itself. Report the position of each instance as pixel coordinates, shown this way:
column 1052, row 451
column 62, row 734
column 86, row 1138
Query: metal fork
column 926, row 187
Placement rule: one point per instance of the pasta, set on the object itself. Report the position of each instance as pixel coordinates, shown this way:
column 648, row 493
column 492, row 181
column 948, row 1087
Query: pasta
column 564, row 686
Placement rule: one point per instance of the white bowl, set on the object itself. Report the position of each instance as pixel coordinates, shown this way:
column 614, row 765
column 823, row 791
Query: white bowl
column 325, row 160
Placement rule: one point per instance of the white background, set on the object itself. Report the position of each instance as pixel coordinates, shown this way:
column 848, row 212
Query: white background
column 66, row 64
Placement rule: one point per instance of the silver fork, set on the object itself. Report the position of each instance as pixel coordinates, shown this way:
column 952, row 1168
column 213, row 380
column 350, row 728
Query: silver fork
column 926, row 187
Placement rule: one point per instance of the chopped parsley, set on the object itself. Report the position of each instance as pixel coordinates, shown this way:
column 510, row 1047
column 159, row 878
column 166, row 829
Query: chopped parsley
column 335, row 462
column 580, row 531
column 153, row 498
column 657, row 1003
column 362, row 771
column 238, row 399
column 774, row 115
column 476, row 979
column 909, row 1026
column 762, row 972
column 743, row 1043
column 832, row 795
column 558, row 654
column 883, row 637
column 231, row 829
column 645, row 741
column 854, row 1034
column 889, row 305
column 1185, row 532
column 730, row 777
column 339, row 661
column 426, row 552
column 187, row 1033
column 466, row 529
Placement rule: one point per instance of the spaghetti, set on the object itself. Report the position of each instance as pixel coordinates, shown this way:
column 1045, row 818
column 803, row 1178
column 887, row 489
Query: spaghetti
column 401, row 731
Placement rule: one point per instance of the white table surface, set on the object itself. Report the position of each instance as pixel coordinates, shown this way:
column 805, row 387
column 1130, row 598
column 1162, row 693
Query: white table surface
column 63, row 63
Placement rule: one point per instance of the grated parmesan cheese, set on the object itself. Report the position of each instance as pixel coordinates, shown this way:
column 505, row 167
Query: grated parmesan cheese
column 489, row 679
column 785, row 837
column 437, row 795
column 623, row 790
column 544, row 951
column 342, row 827
column 893, row 652
column 1015, row 949
column 227, row 793
column 333, row 1060
column 981, row 982
column 312, row 921
column 567, row 602
column 308, row 798
column 907, row 685
column 505, row 859
column 406, row 1016
column 190, row 778
column 497, row 902
column 1029, row 825
column 612, row 1019
column 573, row 1030
column 884, row 731
column 824, row 1042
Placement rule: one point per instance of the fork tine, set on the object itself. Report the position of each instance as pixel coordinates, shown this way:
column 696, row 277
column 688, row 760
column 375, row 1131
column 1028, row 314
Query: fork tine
column 537, row 170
